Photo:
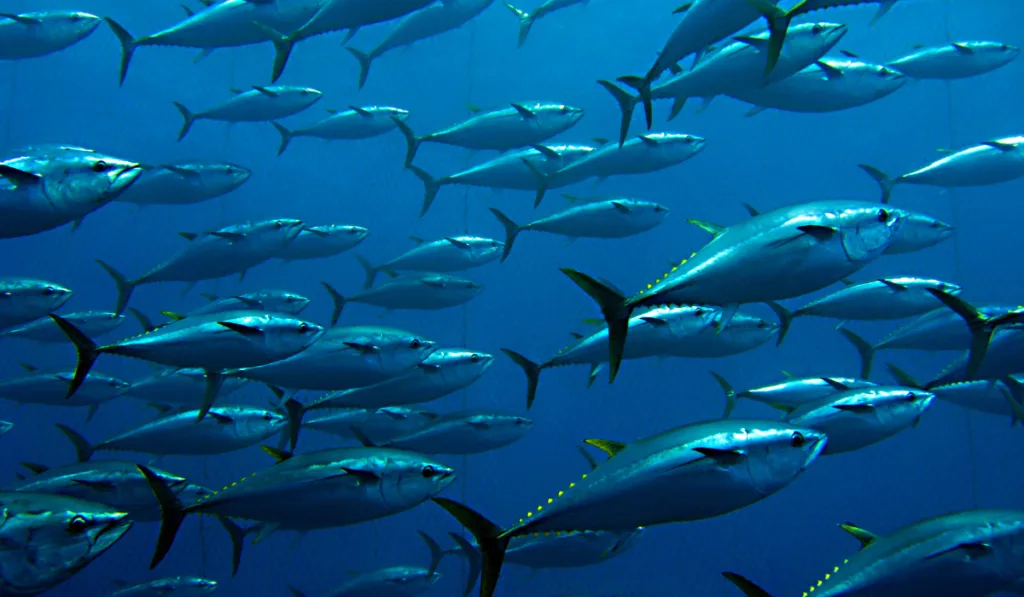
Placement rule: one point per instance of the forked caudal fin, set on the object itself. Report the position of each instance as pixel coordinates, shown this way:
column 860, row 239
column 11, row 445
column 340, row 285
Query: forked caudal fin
column 365, row 62
column 512, row 230
column 339, row 302
column 785, row 319
column 626, row 102
column 471, row 553
column 532, row 371
column 864, row 349
column 412, row 142
column 488, row 537
column 616, row 313
column 526, row 21
column 128, row 45
column 125, row 287
column 982, row 326
column 730, row 394
column 286, row 136
column 885, row 182
column 430, row 187
column 188, row 119
column 87, row 351
column 747, row 586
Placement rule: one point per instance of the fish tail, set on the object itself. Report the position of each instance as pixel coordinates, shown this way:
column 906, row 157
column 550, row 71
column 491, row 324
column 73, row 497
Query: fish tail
column 412, row 142
column 904, row 378
column 526, row 21
column 512, row 230
column 982, row 327
column 883, row 9
column 466, row 549
column 643, row 89
column 430, row 187
column 214, row 380
column 339, row 302
column 678, row 103
column 286, row 136
column 370, row 270
column 144, row 320
column 128, row 45
column 532, row 371
column 237, row 535
column 778, row 24
column 172, row 514
column 885, row 182
column 488, row 537
column 864, row 348
column 365, row 62
column 87, row 351
column 294, row 410
column 747, row 586
column 1015, row 396
column 283, row 46
column 83, row 449
column 730, row 394
column 125, row 287
column 595, row 369
column 188, row 117
column 436, row 553
column 542, row 181
column 786, row 318
column 626, row 103
column 616, row 313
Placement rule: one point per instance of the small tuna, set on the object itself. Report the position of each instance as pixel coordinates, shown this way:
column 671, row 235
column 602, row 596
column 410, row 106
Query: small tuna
column 259, row 104
column 355, row 123
column 421, row 291
column 186, row 183
column 35, row 34
column 173, row 586
column 956, row 60
column 92, row 324
column 450, row 254
column 25, row 300
column 318, row 242
column 464, row 432
column 791, row 393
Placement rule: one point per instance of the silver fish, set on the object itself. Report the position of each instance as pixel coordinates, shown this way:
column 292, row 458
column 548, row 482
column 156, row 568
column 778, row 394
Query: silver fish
column 787, row 252
column 736, row 66
column 355, row 123
column 186, row 183
column 230, row 250
column 444, row 371
column 857, row 418
column 419, row 291
column 465, row 432
column 316, row 490
column 991, row 162
column 422, row 24
column 226, row 429
column 992, row 396
column 828, row 85
column 523, row 124
column 877, row 300
column 509, row 171
column 640, row 155
column 24, row 300
column 174, row 586
column 279, row 301
column 34, row 34
column 178, row 387
column 43, row 192
column 616, row 217
column 318, row 242
column 791, row 393
column 974, row 553
column 51, row 389
column 711, row 468
column 258, row 104
column 956, row 60
column 688, row 331
column 394, row 581
column 450, row 254
column 221, row 25
column 378, row 425
column 92, row 324
column 528, row 19
column 346, row 357
column 48, row 539
column 114, row 483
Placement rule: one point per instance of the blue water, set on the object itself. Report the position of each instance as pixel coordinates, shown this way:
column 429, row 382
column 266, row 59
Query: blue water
column 951, row 461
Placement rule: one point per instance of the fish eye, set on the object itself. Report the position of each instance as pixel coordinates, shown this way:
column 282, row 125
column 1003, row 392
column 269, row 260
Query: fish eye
column 78, row 524
column 698, row 311
column 762, row 324
column 817, row 29
column 798, row 440
column 268, row 417
column 228, row 169
column 475, row 358
column 279, row 224
column 415, row 343
column 303, row 328
column 76, row 17
column 428, row 472
column 49, row 290
column 911, row 396
column 883, row 215
column 99, row 166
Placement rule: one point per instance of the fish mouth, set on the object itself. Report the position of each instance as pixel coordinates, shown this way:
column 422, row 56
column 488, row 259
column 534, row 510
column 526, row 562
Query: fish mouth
column 117, row 525
column 126, row 176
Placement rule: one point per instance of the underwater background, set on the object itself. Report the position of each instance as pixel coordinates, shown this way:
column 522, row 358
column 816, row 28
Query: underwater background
column 953, row 460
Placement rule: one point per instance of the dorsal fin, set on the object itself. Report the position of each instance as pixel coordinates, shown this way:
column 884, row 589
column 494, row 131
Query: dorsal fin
column 278, row 454
column 611, row 447
column 866, row 538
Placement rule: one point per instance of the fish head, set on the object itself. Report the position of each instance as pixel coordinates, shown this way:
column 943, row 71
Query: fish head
column 281, row 334
column 677, row 146
column 815, row 38
column 887, row 80
column 409, row 479
column 458, row 366
column 48, row 538
column 895, row 404
column 995, row 53
column 220, row 177
column 71, row 26
column 500, row 427
column 31, row 297
column 919, row 231
column 283, row 301
column 275, row 233
column 190, row 585
column 397, row 114
column 306, row 96
column 778, row 453
column 399, row 350
column 748, row 330
column 395, row 421
column 409, row 580
column 88, row 180
column 866, row 232
column 352, row 235
column 559, row 116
